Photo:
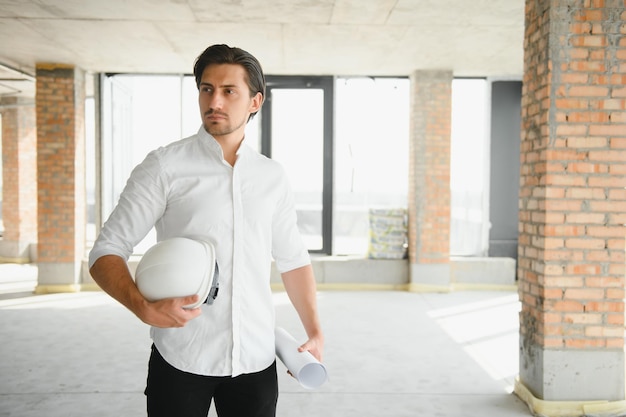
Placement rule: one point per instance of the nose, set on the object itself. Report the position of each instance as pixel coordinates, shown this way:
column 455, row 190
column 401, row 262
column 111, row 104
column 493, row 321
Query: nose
column 216, row 101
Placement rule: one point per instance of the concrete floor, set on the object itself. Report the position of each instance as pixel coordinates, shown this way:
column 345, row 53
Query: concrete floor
column 388, row 354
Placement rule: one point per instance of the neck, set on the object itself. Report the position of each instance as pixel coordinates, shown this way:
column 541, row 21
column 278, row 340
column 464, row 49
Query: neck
column 230, row 144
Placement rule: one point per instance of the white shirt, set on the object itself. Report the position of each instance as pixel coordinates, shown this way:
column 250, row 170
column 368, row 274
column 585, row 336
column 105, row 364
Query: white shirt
column 187, row 189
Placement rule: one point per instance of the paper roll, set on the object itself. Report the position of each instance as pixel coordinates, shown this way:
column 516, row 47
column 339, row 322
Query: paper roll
column 309, row 372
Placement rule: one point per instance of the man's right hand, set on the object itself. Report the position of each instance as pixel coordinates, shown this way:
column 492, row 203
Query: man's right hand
column 111, row 273
column 170, row 312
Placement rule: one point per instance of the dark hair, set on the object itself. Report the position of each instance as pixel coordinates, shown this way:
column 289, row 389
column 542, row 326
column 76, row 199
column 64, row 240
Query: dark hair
column 224, row 54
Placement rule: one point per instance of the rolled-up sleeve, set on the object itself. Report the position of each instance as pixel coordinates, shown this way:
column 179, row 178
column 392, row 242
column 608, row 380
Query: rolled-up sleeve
column 141, row 204
column 288, row 249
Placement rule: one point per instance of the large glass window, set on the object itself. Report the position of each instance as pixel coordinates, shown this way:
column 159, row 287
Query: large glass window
column 371, row 155
column 369, row 149
column 1, row 188
column 90, row 170
column 469, row 172
column 298, row 143
column 296, row 130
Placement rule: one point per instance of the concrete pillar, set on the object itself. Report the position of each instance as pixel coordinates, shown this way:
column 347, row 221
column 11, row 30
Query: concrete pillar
column 19, row 171
column 429, row 180
column 572, row 202
column 60, row 102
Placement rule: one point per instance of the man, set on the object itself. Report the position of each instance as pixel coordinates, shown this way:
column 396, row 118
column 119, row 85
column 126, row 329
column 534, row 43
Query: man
column 212, row 186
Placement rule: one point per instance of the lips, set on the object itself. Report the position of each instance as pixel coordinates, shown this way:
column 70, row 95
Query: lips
column 211, row 115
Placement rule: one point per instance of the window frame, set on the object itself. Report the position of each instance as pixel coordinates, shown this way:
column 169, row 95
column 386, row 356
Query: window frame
column 327, row 85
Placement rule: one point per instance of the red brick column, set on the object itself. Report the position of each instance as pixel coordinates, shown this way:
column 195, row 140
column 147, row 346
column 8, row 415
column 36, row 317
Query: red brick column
column 61, row 176
column 429, row 180
column 19, row 170
column 572, row 200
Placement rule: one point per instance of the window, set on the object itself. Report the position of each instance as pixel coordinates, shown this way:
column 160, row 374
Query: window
column 343, row 140
column 296, row 130
column 371, row 163
column 469, row 168
column 1, row 187
column 344, row 146
column 90, row 171
column 371, row 155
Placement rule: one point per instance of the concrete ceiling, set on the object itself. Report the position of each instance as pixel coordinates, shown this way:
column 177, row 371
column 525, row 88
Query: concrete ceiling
column 297, row 37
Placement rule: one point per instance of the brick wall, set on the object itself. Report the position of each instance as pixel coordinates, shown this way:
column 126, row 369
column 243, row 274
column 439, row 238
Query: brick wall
column 429, row 167
column 573, row 174
column 19, row 189
column 61, row 167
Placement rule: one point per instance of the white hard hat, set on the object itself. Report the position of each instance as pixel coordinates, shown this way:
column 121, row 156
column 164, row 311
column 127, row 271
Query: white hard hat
column 178, row 267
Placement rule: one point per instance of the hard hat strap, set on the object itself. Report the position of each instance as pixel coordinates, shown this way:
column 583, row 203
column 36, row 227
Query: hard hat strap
column 215, row 286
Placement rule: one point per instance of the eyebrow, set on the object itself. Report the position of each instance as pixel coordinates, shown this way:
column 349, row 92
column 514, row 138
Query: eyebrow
column 221, row 86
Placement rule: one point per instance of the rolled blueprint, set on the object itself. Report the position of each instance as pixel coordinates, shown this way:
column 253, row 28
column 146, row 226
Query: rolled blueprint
column 309, row 372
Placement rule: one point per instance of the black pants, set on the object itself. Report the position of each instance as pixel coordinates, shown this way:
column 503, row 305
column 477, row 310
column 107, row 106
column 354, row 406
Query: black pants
column 174, row 393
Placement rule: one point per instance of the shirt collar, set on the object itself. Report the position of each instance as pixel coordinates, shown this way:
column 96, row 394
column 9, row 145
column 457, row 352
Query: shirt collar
column 215, row 147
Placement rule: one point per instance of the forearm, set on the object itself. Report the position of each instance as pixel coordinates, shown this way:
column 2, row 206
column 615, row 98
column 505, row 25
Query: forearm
column 111, row 273
column 301, row 289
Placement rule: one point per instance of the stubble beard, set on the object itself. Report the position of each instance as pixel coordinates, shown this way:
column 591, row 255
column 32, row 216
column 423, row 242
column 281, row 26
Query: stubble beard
column 217, row 129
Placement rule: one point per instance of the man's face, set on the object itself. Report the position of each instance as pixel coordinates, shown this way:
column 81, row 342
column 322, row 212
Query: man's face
column 225, row 102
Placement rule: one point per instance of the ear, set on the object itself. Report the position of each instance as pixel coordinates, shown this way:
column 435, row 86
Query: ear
column 257, row 102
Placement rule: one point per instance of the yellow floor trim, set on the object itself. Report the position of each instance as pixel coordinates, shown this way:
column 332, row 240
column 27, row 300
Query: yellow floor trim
column 321, row 286
column 90, row 287
column 21, row 261
column 460, row 286
column 464, row 286
column 57, row 288
column 412, row 287
column 568, row 408
column 61, row 288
